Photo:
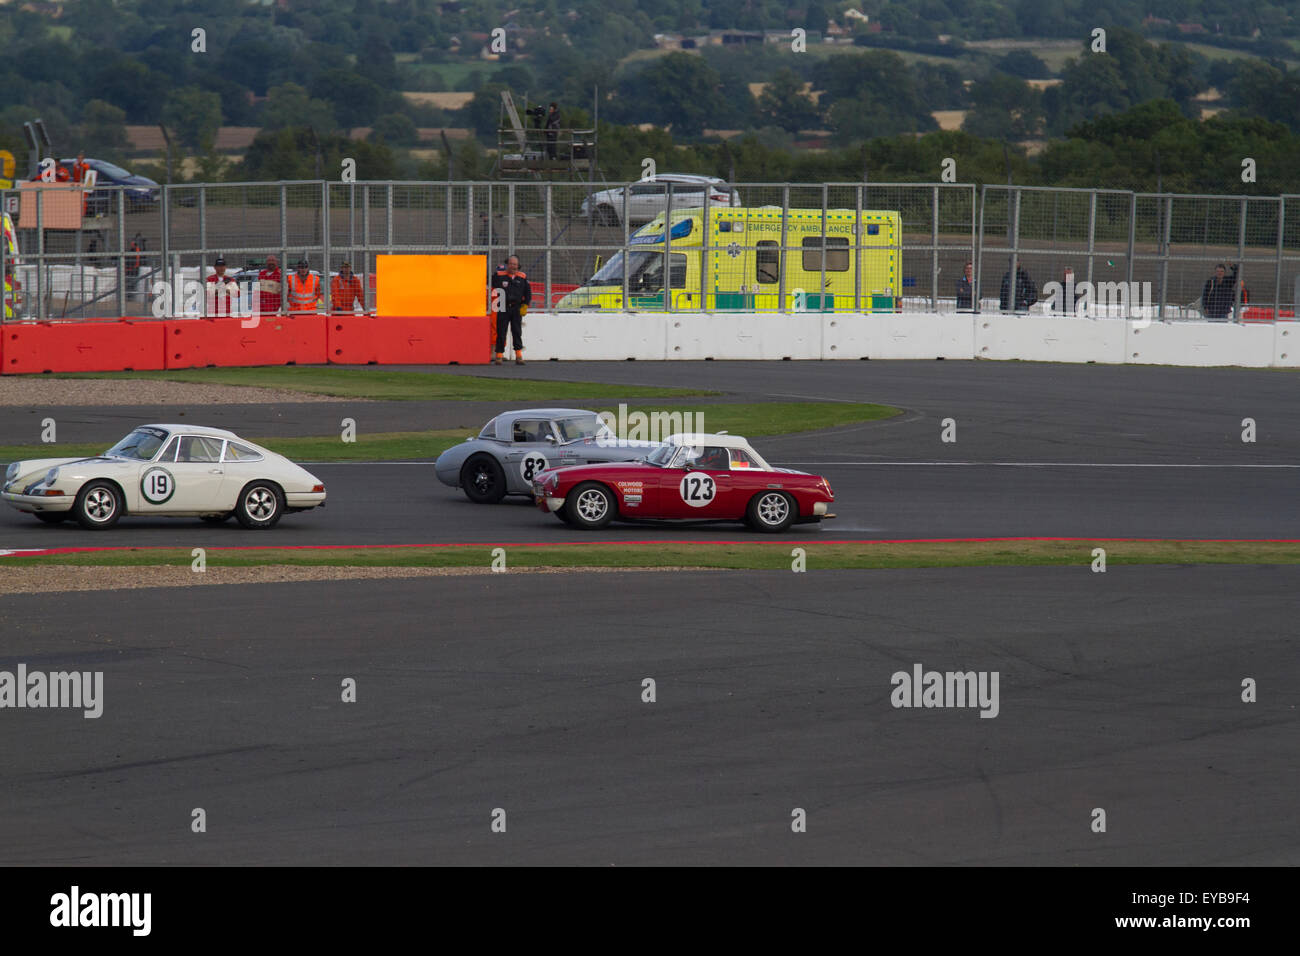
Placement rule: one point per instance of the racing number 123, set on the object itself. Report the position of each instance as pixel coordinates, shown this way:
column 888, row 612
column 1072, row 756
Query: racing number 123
column 699, row 489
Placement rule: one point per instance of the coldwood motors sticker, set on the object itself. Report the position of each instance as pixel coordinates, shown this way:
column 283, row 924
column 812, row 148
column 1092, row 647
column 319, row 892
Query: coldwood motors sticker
column 632, row 492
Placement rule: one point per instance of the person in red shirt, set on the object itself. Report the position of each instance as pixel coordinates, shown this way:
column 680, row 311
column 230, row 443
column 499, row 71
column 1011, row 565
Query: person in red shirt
column 79, row 168
column 345, row 291
column 269, row 280
column 222, row 290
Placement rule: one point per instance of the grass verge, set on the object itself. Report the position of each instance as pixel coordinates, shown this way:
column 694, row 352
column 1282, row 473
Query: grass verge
column 751, row 420
column 384, row 385
column 757, row 555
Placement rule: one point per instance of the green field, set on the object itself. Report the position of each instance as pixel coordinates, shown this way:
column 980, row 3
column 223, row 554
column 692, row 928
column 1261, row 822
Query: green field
column 398, row 386
column 750, row 420
column 766, row 554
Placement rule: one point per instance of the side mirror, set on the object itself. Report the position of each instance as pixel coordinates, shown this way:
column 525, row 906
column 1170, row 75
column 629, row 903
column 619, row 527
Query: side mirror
column 551, row 438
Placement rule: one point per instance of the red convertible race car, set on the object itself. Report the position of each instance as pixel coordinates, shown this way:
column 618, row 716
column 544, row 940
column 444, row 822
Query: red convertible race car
column 693, row 477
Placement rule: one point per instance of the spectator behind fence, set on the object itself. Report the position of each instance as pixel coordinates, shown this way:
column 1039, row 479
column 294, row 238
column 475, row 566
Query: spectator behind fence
column 269, row 281
column 966, row 287
column 1026, row 291
column 303, row 289
column 345, row 291
column 221, row 290
column 1217, row 296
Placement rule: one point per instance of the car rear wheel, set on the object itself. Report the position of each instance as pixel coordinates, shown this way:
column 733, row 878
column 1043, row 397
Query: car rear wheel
column 261, row 505
column 52, row 517
column 483, row 480
column 98, row 506
column 771, row 511
column 590, row 506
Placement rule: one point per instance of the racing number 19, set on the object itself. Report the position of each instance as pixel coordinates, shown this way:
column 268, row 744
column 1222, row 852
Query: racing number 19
column 158, row 485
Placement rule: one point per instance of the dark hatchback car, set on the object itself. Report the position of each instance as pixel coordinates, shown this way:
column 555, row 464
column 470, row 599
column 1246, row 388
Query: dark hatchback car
column 139, row 190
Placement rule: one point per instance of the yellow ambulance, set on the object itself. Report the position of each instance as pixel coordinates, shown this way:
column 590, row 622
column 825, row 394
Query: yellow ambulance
column 743, row 264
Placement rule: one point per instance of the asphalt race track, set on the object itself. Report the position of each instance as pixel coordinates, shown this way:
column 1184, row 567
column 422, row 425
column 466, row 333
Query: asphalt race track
column 523, row 692
column 1051, row 450
column 1117, row 691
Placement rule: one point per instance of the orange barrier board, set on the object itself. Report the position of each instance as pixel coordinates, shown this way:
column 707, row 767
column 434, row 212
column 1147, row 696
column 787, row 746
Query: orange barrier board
column 430, row 285
column 81, row 346
column 408, row 340
column 275, row 340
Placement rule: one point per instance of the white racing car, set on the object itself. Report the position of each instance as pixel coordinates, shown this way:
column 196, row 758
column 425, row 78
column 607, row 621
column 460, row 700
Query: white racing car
column 174, row 470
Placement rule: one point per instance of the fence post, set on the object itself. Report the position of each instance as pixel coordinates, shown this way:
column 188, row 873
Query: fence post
column 705, row 221
column 325, row 244
column 668, row 250
column 446, row 215
column 9, row 292
column 388, row 219
column 821, row 292
column 1092, row 239
column 1166, row 234
column 627, row 247
column 1241, row 254
column 121, row 251
column 1132, row 235
column 1013, row 274
column 510, row 219
column 1277, row 272
column 284, row 248
column 934, row 255
column 165, row 252
column 785, row 220
column 858, row 234
column 366, row 255
column 979, row 249
column 469, row 222
column 548, row 208
column 203, row 223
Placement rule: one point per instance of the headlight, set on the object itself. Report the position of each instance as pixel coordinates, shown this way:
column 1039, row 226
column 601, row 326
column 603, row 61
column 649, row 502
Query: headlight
column 52, row 475
column 11, row 472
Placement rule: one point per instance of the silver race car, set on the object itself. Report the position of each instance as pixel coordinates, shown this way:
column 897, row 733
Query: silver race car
column 515, row 446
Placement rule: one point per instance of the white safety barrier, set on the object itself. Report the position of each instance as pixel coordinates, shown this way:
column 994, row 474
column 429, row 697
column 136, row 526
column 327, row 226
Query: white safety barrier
column 647, row 336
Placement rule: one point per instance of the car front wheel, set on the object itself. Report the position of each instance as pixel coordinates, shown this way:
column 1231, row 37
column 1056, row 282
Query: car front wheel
column 590, row 506
column 98, row 506
column 771, row 512
column 261, row 504
column 483, row 480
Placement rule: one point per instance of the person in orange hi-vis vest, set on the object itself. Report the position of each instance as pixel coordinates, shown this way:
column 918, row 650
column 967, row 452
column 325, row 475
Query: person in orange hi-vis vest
column 304, row 291
column 345, row 291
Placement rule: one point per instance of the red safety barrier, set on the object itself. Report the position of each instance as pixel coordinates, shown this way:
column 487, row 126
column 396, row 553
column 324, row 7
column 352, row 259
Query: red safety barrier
column 275, row 340
column 408, row 340
column 124, row 345
column 1258, row 313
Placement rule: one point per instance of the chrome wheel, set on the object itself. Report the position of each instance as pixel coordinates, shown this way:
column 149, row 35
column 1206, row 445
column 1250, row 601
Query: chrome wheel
column 773, row 509
column 101, row 504
column 260, row 503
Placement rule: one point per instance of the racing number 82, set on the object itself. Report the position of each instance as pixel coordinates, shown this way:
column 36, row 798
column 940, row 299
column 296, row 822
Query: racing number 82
column 532, row 466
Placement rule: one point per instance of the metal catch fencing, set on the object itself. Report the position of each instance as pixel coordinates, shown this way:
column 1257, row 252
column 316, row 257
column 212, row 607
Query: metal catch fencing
column 834, row 246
